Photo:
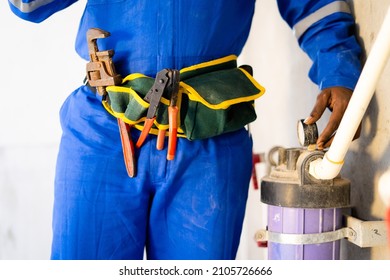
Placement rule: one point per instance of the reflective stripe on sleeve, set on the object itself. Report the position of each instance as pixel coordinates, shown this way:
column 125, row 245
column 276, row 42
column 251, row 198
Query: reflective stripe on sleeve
column 334, row 7
column 31, row 6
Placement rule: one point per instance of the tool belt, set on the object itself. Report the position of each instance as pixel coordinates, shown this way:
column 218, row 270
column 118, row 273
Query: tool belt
column 197, row 102
column 214, row 97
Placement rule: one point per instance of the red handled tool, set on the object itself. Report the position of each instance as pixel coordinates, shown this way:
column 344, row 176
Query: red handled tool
column 153, row 97
column 127, row 147
column 167, row 82
column 100, row 74
column 172, row 115
column 172, row 90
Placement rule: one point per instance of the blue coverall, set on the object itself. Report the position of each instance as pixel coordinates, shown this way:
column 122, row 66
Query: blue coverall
column 192, row 207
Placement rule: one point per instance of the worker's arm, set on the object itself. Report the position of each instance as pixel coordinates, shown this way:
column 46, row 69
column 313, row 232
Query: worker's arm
column 38, row 10
column 325, row 30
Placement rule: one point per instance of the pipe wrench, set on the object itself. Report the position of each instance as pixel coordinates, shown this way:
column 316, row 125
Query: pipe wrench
column 100, row 74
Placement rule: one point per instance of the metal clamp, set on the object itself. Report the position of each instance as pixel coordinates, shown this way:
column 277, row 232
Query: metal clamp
column 368, row 233
column 305, row 238
column 361, row 233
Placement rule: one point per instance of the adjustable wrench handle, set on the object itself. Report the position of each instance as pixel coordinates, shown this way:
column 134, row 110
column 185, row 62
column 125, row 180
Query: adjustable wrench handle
column 127, row 148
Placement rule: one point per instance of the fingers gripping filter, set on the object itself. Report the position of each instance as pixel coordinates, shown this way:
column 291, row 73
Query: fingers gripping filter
column 307, row 133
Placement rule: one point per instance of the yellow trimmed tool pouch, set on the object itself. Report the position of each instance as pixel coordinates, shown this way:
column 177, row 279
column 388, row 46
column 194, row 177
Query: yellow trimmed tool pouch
column 215, row 97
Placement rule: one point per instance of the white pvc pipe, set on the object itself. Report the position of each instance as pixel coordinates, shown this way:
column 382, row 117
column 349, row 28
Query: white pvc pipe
column 384, row 187
column 330, row 166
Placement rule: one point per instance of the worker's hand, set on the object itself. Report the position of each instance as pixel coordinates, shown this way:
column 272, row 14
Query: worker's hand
column 336, row 99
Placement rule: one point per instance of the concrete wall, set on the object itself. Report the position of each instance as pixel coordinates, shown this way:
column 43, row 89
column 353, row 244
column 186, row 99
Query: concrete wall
column 369, row 157
column 39, row 69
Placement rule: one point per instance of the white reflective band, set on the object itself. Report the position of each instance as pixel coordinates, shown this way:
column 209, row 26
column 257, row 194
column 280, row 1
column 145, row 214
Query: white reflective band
column 29, row 7
column 304, row 24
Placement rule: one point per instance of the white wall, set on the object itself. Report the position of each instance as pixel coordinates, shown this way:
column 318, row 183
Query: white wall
column 40, row 68
column 281, row 67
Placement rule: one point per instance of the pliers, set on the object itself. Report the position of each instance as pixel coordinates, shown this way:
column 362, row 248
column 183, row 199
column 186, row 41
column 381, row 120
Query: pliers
column 172, row 115
column 167, row 81
column 173, row 90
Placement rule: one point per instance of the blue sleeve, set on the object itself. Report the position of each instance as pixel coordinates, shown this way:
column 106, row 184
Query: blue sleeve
column 37, row 10
column 330, row 42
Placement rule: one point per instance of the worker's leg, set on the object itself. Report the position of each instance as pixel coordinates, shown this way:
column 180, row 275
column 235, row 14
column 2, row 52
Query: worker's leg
column 197, row 200
column 198, row 210
column 99, row 212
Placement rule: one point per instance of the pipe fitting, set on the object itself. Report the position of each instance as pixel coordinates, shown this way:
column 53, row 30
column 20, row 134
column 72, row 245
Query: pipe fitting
column 384, row 187
column 325, row 169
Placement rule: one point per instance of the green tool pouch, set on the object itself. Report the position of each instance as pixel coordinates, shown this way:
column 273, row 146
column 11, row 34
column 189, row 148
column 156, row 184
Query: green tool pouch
column 215, row 97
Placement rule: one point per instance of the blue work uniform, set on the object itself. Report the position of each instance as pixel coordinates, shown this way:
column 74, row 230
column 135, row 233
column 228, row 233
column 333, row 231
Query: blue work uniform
column 193, row 206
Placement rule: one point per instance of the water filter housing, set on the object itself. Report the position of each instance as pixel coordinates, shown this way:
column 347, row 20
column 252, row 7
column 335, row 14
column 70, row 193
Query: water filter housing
column 302, row 207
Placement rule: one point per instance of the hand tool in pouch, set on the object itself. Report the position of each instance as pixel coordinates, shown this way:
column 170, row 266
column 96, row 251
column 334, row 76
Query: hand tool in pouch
column 100, row 74
column 153, row 97
column 172, row 115
column 172, row 91
column 166, row 82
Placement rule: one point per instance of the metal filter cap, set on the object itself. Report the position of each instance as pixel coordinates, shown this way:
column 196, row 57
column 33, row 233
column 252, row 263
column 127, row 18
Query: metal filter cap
column 307, row 133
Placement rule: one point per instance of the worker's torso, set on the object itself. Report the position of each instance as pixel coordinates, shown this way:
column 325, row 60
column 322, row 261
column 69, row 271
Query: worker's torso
column 148, row 35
